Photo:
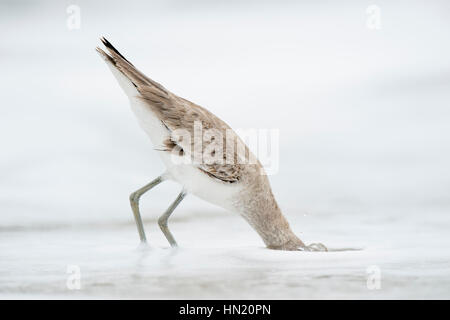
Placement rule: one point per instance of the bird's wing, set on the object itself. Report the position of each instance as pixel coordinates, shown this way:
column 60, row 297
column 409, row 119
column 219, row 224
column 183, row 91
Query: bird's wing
column 220, row 153
column 209, row 142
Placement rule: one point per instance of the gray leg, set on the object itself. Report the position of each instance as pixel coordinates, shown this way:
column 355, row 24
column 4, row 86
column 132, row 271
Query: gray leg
column 134, row 201
column 162, row 221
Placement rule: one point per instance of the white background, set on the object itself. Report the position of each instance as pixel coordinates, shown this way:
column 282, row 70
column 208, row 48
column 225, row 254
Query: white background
column 364, row 147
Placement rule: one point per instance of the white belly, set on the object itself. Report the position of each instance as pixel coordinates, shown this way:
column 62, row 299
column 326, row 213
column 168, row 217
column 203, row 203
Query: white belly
column 190, row 177
column 203, row 186
column 152, row 126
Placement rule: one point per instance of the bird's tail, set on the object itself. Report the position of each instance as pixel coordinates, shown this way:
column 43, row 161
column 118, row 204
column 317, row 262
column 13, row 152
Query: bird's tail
column 130, row 79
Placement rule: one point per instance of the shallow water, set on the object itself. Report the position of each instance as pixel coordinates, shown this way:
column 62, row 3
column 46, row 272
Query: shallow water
column 363, row 151
column 214, row 261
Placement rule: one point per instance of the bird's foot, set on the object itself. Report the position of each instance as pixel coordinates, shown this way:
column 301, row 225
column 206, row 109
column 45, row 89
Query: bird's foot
column 319, row 247
column 143, row 246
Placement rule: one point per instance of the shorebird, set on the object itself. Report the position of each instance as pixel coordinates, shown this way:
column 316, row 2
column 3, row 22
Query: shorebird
column 227, row 182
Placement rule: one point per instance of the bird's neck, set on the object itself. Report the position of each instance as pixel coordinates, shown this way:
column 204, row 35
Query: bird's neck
column 273, row 228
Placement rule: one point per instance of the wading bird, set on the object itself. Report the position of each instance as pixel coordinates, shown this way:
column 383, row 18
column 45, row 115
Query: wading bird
column 228, row 182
